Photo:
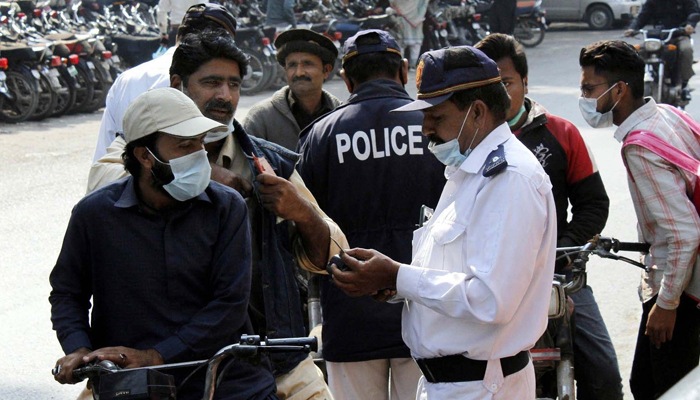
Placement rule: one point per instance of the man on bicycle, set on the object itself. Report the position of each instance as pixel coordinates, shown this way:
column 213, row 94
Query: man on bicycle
column 563, row 154
column 288, row 227
column 164, row 256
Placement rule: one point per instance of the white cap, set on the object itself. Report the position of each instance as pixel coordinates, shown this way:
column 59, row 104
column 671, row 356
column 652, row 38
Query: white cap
column 166, row 110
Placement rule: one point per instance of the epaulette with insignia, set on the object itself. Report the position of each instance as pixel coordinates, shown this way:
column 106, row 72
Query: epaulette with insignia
column 495, row 162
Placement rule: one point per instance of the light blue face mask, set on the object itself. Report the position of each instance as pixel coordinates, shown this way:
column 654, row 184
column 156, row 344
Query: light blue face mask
column 448, row 153
column 515, row 119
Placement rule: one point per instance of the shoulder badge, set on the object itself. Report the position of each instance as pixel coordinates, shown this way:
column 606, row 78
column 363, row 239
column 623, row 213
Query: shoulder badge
column 495, row 162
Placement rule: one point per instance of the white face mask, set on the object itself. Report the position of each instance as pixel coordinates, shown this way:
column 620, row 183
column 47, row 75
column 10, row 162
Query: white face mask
column 216, row 136
column 594, row 118
column 191, row 175
column 448, row 153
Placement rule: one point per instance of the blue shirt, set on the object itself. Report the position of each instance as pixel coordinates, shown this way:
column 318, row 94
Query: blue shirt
column 176, row 283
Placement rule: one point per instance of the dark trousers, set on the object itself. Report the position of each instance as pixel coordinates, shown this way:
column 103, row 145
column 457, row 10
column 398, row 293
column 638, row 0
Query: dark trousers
column 502, row 16
column 654, row 371
column 595, row 361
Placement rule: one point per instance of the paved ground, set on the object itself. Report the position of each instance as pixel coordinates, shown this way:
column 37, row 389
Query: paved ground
column 43, row 173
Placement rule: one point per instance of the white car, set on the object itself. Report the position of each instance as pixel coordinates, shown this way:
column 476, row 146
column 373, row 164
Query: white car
column 600, row 14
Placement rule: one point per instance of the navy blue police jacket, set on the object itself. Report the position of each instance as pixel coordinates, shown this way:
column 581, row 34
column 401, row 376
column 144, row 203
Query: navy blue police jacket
column 370, row 170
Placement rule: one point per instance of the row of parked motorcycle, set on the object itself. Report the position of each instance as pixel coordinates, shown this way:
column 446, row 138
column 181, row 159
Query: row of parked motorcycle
column 447, row 23
column 57, row 58
column 62, row 60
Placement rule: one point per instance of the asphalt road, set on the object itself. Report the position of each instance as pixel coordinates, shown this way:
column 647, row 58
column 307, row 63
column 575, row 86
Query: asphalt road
column 43, row 173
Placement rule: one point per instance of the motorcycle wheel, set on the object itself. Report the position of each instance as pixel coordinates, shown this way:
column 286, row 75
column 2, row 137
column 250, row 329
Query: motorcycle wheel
column 25, row 98
column 47, row 100
column 66, row 98
column 99, row 94
column 529, row 32
column 84, row 91
column 258, row 74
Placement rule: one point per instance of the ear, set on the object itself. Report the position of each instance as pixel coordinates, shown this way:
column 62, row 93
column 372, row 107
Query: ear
column 327, row 69
column 144, row 157
column 525, row 84
column 348, row 84
column 480, row 111
column 175, row 81
column 404, row 71
column 621, row 89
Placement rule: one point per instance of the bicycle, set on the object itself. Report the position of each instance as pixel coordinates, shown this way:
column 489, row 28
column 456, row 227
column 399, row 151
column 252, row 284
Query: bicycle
column 554, row 351
column 110, row 381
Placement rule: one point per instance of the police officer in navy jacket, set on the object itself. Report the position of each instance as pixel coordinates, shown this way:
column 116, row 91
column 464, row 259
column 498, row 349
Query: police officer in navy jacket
column 371, row 172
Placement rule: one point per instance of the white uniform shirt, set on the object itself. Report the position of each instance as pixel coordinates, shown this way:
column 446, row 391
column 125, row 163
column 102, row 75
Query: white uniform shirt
column 177, row 10
column 481, row 276
column 128, row 86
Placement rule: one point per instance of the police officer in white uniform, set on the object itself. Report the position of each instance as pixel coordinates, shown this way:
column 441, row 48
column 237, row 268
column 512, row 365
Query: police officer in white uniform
column 477, row 290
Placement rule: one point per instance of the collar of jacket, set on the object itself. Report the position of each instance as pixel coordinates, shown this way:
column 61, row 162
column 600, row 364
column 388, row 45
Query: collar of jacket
column 376, row 89
column 536, row 117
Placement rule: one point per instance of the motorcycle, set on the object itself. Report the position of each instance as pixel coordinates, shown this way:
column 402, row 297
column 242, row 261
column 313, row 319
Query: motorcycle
column 530, row 23
column 662, row 75
column 553, row 353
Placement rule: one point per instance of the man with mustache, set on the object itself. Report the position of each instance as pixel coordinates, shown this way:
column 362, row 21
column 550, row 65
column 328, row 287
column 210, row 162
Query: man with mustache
column 154, row 74
column 288, row 227
column 307, row 58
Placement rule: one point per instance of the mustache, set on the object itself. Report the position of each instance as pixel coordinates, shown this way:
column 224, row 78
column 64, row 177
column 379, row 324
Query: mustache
column 301, row 78
column 219, row 105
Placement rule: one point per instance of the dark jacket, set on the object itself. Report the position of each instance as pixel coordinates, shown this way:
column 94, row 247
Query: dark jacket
column 370, row 171
column 283, row 312
column 563, row 154
column 668, row 13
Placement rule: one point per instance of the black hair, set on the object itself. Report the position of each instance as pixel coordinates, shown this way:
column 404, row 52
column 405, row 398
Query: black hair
column 196, row 25
column 498, row 46
column 616, row 61
column 196, row 49
column 494, row 95
column 365, row 67
column 131, row 164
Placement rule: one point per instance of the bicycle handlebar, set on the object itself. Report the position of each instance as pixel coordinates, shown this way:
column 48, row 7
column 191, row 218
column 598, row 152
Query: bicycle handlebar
column 632, row 246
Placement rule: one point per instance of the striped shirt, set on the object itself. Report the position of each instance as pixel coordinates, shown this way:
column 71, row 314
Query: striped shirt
column 667, row 218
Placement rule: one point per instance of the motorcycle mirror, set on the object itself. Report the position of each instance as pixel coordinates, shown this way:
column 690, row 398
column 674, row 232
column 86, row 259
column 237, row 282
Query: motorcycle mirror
column 694, row 18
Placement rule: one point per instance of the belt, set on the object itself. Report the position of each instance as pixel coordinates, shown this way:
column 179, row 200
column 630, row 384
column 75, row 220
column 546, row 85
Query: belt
column 457, row 368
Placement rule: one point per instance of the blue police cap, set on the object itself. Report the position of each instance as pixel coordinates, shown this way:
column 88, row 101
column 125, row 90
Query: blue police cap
column 442, row 72
column 383, row 41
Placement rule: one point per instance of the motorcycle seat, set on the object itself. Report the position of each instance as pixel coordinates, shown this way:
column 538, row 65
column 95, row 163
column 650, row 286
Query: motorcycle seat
column 62, row 37
column 19, row 51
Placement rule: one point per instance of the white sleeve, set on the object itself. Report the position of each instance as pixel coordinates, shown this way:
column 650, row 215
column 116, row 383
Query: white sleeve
column 108, row 126
column 164, row 7
column 498, row 252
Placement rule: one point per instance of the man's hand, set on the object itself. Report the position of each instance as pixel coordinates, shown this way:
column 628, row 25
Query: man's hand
column 629, row 32
column 280, row 197
column 66, row 365
column 689, row 29
column 125, row 357
column 384, row 295
column 228, row 178
column 373, row 275
column 660, row 325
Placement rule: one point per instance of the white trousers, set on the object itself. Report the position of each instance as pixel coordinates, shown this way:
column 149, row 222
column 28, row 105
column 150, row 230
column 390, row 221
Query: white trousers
column 370, row 380
column 518, row 386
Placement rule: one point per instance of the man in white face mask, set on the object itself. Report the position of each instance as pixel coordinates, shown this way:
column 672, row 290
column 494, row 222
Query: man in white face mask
column 477, row 290
column 164, row 254
column 668, row 342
